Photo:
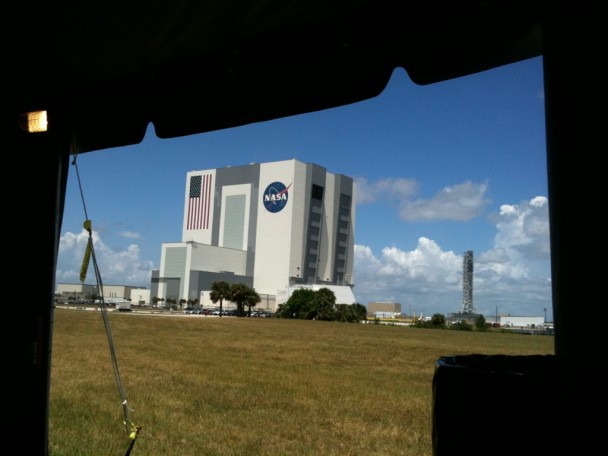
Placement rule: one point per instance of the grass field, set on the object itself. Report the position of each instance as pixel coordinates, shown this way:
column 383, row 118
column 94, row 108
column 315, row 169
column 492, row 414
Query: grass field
column 251, row 386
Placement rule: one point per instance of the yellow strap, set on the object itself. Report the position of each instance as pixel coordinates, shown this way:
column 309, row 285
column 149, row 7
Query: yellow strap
column 87, row 252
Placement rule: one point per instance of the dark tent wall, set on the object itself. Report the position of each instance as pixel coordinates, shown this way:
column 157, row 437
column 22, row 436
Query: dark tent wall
column 109, row 69
column 105, row 71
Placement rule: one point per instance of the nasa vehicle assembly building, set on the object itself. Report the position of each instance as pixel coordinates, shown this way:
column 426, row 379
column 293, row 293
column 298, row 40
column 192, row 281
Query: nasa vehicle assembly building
column 273, row 226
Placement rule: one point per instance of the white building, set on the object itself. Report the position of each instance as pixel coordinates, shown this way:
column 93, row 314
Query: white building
column 137, row 295
column 384, row 307
column 509, row 321
column 272, row 226
column 140, row 296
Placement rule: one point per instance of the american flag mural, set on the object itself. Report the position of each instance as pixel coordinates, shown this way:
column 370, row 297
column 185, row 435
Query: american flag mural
column 199, row 201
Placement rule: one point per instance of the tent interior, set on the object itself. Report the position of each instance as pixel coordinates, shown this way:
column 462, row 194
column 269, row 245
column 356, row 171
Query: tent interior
column 105, row 71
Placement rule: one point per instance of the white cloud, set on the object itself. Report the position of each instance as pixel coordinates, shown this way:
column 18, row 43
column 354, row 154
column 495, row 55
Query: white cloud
column 523, row 230
column 130, row 235
column 513, row 276
column 390, row 188
column 124, row 267
column 460, row 202
column 422, row 278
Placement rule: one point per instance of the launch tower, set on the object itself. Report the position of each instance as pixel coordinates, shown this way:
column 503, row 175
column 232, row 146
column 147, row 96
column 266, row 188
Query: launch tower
column 467, row 306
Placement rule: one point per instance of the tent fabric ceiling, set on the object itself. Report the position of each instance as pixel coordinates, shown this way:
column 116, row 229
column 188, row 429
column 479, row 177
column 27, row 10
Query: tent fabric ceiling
column 105, row 70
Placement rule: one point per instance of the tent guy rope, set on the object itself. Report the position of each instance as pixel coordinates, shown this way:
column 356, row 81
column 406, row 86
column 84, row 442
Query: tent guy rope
column 89, row 254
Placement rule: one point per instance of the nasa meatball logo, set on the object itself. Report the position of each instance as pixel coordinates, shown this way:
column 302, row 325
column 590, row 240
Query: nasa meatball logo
column 275, row 197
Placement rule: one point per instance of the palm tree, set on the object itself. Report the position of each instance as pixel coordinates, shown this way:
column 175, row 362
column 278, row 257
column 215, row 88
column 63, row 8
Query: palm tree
column 220, row 290
column 253, row 298
column 242, row 295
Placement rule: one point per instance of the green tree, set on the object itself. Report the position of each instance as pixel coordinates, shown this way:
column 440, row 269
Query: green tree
column 243, row 295
column 461, row 325
column 252, row 299
column 322, row 306
column 352, row 313
column 296, row 305
column 220, row 290
column 438, row 321
column 480, row 323
column 361, row 311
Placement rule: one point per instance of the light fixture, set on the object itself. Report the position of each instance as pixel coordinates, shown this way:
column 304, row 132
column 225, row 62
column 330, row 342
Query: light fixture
column 34, row 121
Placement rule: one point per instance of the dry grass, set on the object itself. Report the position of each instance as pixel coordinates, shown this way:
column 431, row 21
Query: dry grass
column 252, row 386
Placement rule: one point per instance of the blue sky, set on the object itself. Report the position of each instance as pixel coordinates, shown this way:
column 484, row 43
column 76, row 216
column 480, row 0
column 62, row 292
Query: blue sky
column 441, row 169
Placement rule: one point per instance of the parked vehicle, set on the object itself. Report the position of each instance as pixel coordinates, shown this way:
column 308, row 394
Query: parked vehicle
column 123, row 306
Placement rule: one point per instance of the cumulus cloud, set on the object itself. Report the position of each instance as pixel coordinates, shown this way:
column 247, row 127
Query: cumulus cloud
column 523, row 230
column 125, row 267
column 423, row 277
column 514, row 275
